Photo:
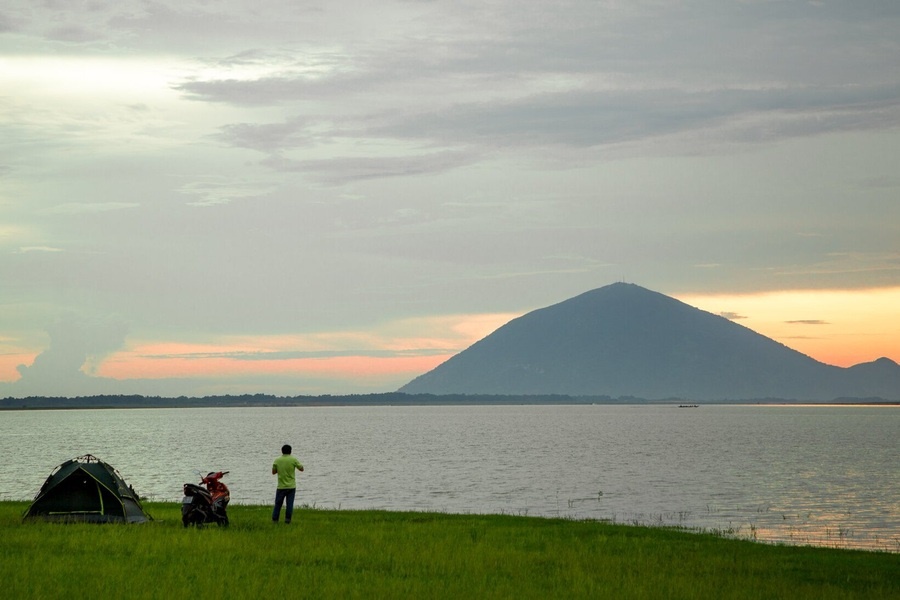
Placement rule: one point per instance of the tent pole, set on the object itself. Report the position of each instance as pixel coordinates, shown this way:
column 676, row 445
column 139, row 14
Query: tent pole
column 100, row 495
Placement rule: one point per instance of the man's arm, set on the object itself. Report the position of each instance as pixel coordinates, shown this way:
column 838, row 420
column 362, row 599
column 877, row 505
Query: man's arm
column 274, row 470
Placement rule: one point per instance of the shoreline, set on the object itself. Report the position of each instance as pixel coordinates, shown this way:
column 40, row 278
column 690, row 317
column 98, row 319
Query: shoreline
column 101, row 402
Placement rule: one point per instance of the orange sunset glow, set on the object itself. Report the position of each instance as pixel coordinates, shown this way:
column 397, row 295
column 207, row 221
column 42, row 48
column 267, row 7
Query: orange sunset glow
column 837, row 327
column 842, row 328
column 398, row 350
column 348, row 367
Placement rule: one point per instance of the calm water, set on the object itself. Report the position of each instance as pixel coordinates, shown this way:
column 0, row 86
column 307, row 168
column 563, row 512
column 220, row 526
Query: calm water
column 819, row 475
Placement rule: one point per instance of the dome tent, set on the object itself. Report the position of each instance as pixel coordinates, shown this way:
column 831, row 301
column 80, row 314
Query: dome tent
column 87, row 489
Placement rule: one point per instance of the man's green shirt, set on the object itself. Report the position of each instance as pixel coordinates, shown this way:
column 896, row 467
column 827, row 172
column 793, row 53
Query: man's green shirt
column 286, row 466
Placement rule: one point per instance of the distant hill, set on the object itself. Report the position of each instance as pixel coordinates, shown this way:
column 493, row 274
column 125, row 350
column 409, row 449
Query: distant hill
column 625, row 340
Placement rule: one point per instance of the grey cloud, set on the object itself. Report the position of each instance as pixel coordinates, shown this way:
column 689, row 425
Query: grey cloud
column 588, row 118
column 243, row 93
column 201, row 26
column 76, row 344
column 342, row 170
column 7, row 24
column 268, row 137
column 252, row 56
column 223, row 191
column 67, row 22
column 73, row 33
column 276, row 90
column 172, row 26
column 808, row 322
column 864, row 9
column 732, row 316
column 760, row 84
column 72, row 208
column 619, row 36
column 851, row 266
column 881, row 182
column 594, row 118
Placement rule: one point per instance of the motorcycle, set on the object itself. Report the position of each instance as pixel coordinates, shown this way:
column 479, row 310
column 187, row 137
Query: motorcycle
column 202, row 505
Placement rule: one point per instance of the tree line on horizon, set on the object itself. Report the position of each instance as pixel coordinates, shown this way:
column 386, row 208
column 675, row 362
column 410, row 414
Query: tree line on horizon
column 374, row 399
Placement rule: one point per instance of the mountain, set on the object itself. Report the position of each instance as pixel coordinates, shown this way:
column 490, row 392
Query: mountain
column 625, row 340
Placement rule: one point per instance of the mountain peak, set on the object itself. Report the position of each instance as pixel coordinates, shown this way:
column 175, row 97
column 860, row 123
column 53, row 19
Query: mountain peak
column 625, row 340
column 885, row 362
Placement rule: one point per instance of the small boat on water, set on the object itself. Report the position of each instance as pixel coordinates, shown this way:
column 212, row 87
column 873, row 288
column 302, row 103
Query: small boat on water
column 688, row 405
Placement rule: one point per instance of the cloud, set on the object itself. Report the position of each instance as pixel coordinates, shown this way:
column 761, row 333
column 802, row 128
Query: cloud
column 289, row 355
column 72, row 208
column 269, row 137
column 808, row 322
column 73, row 34
column 574, row 77
column 258, row 92
column 222, row 190
column 847, row 264
column 732, row 316
column 26, row 249
column 881, row 182
column 7, row 24
column 77, row 347
column 576, row 118
column 345, row 169
column 591, row 118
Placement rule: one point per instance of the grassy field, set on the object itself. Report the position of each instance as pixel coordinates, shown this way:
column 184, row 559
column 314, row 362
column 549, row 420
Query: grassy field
column 372, row 554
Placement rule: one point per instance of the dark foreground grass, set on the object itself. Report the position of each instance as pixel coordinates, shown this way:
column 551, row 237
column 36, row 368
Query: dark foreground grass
column 373, row 554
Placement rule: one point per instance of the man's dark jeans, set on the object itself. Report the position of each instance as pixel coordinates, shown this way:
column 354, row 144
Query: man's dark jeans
column 280, row 496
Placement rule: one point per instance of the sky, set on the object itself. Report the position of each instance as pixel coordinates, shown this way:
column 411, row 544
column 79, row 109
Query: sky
column 302, row 197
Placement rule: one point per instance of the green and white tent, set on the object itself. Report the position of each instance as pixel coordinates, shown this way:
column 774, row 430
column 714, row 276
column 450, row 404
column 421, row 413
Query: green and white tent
column 89, row 490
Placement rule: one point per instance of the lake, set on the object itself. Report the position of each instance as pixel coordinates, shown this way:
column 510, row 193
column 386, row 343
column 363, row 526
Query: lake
column 820, row 475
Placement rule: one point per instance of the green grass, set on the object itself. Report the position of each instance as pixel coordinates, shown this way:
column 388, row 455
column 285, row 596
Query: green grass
column 373, row 554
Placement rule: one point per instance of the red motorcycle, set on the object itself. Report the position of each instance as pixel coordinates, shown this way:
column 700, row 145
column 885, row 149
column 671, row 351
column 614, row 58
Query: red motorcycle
column 202, row 505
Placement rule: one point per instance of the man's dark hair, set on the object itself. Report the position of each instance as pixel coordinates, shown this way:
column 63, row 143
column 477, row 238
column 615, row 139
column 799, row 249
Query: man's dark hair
column 286, row 449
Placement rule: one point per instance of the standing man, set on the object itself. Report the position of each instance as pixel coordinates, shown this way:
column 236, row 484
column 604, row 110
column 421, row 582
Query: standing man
column 284, row 467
